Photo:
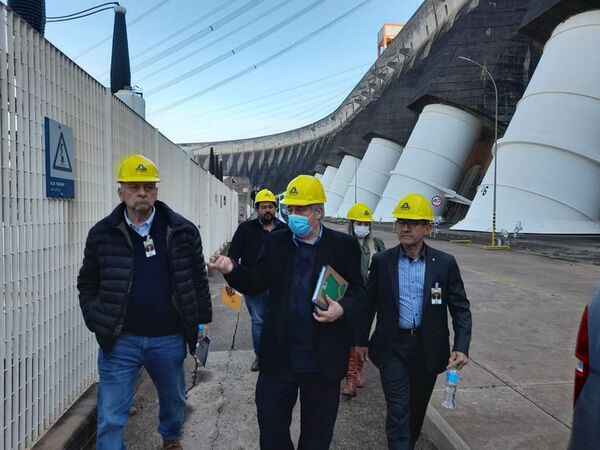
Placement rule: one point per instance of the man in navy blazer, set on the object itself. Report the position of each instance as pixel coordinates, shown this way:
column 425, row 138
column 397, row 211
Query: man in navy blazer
column 302, row 348
column 411, row 287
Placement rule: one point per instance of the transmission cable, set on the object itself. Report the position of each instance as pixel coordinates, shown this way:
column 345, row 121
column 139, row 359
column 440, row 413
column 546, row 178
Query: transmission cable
column 217, row 41
column 274, row 94
column 81, row 12
column 129, row 25
column 176, row 33
column 289, row 102
column 265, row 61
column 79, row 15
column 199, row 35
column 237, row 49
column 330, row 102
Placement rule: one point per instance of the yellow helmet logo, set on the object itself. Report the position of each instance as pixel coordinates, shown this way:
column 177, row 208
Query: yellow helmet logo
column 137, row 169
column 265, row 196
column 413, row 207
column 360, row 213
column 304, row 190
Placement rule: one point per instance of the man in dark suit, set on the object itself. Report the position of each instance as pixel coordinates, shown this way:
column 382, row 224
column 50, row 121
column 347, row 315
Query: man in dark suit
column 302, row 348
column 411, row 287
column 244, row 248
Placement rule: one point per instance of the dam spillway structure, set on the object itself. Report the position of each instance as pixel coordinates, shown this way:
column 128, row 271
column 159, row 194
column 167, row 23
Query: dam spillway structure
column 433, row 158
column 548, row 161
column 372, row 175
column 339, row 185
column 328, row 176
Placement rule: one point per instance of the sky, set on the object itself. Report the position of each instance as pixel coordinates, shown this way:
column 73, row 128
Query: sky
column 209, row 69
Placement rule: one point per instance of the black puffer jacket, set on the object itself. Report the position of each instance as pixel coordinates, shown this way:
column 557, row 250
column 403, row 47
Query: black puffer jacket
column 105, row 277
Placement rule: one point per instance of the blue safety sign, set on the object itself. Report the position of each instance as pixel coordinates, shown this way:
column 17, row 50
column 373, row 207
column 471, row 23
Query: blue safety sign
column 60, row 159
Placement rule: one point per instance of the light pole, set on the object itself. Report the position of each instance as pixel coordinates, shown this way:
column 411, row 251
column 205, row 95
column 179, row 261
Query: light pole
column 493, row 245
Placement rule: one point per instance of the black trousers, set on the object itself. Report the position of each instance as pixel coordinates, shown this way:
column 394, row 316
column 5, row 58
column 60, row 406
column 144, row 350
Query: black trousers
column 275, row 400
column 407, row 386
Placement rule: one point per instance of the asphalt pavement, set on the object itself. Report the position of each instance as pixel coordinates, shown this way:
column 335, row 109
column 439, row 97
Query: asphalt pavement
column 514, row 394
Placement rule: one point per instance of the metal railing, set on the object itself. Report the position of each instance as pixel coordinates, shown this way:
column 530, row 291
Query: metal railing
column 47, row 355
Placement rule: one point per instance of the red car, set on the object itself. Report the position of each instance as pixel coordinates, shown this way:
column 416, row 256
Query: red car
column 585, row 433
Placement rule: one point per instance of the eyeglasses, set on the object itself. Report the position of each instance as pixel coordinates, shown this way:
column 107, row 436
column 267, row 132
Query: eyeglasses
column 409, row 223
column 133, row 187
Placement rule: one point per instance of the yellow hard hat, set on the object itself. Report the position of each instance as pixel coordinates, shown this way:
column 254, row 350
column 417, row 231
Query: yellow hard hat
column 413, row 207
column 137, row 169
column 360, row 213
column 264, row 196
column 304, row 190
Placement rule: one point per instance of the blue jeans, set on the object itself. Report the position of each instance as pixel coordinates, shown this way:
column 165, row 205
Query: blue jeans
column 162, row 357
column 257, row 307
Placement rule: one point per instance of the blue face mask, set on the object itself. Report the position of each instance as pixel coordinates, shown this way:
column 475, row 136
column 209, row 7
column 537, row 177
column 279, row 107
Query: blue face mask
column 299, row 225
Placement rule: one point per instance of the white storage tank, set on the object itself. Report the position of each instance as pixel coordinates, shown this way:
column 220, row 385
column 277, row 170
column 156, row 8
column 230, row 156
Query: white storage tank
column 328, row 176
column 339, row 185
column 373, row 175
column 433, row 158
column 548, row 176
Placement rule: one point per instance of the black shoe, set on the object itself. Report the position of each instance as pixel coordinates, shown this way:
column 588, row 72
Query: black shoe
column 254, row 367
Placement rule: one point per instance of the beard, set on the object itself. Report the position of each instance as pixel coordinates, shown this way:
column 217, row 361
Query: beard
column 267, row 218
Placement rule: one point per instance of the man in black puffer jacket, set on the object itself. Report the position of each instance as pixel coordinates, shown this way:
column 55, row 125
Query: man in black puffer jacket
column 143, row 291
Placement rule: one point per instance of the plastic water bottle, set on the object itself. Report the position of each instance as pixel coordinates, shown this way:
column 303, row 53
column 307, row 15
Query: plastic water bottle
column 452, row 379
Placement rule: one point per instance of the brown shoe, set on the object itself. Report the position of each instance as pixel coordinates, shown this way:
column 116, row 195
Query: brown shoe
column 349, row 389
column 172, row 445
column 360, row 379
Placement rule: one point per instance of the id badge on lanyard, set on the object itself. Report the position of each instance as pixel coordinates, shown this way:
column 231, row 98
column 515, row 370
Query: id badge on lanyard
column 149, row 247
column 436, row 294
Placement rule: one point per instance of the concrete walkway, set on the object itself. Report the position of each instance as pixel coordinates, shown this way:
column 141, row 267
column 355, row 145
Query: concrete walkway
column 515, row 393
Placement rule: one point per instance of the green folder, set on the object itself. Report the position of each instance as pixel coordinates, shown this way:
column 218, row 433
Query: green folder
column 331, row 284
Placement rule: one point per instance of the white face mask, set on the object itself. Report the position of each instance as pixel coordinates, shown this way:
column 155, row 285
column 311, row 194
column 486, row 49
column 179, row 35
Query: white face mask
column 361, row 231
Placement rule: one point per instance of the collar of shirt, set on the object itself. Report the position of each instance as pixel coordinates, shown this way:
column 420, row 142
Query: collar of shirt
column 298, row 241
column 422, row 256
column 144, row 229
column 276, row 223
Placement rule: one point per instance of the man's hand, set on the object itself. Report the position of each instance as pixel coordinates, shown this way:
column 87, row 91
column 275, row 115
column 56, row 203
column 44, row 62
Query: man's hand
column 334, row 311
column 230, row 291
column 221, row 264
column 363, row 353
column 457, row 360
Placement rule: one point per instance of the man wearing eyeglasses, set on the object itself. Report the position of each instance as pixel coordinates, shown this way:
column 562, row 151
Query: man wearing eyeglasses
column 411, row 287
column 143, row 291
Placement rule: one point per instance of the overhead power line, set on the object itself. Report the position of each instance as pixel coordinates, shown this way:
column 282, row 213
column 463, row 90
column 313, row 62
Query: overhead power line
column 265, row 61
column 222, row 5
column 237, row 49
column 267, row 106
column 129, row 25
column 199, row 35
column 274, row 94
column 216, row 41
column 80, row 14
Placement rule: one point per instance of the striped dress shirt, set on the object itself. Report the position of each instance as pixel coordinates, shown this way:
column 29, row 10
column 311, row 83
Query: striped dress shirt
column 411, row 277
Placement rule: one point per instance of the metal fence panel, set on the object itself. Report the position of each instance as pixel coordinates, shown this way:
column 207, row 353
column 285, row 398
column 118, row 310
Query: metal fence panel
column 47, row 355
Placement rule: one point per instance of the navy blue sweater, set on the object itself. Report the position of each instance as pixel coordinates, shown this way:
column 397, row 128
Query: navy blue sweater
column 300, row 322
column 150, row 311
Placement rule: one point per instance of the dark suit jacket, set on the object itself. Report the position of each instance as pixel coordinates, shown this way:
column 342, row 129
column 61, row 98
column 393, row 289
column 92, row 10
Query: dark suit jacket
column 273, row 271
column 383, row 299
column 248, row 240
